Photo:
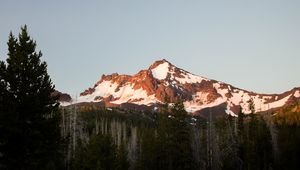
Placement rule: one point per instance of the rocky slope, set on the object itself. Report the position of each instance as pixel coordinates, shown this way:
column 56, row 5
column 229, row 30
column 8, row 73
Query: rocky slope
column 163, row 80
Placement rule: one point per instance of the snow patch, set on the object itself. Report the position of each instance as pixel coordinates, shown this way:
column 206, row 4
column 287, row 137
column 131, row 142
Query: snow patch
column 104, row 89
column 222, row 92
column 228, row 111
column 297, row 93
column 161, row 71
column 192, row 106
column 65, row 103
column 189, row 78
column 127, row 94
column 280, row 103
column 242, row 99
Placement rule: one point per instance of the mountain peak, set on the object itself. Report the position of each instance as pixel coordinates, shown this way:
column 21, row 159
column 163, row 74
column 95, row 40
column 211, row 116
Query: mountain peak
column 159, row 62
column 160, row 69
column 150, row 87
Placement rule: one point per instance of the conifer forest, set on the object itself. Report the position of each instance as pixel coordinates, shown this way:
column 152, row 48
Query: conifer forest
column 171, row 139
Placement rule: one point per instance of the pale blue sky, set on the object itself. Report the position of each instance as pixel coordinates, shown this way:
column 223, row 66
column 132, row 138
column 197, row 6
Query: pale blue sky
column 254, row 45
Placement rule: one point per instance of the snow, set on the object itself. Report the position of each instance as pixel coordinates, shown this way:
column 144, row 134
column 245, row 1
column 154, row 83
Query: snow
column 262, row 105
column 239, row 97
column 228, row 111
column 222, row 92
column 280, row 103
column 104, row 89
column 161, row 71
column 297, row 93
column 127, row 94
column 148, row 101
column 124, row 94
column 192, row 106
column 189, row 78
column 65, row 103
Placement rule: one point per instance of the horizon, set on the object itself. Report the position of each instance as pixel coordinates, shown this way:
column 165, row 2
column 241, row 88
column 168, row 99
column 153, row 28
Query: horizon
column 251, row 45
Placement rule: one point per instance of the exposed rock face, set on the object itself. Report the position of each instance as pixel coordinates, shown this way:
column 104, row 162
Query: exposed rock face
column 163, row 80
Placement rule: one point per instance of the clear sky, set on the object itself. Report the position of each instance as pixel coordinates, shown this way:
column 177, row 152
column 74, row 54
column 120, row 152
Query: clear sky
column 254, row 45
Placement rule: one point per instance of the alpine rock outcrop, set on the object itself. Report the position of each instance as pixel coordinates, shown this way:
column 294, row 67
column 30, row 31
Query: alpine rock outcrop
column 162, row 80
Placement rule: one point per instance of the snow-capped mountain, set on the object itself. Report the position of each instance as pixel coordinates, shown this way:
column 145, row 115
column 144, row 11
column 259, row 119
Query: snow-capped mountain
column 164, row 80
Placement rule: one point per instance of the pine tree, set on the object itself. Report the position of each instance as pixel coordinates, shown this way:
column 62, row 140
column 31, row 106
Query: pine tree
column 6, row 116
column 99, row 153
column 29, row 126
column 180, row 139
column 148, row 152
column 171, row 146
column 121, row 158
column 241, row 137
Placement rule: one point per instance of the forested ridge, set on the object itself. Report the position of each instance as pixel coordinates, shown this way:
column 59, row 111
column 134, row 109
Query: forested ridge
column 172, row 139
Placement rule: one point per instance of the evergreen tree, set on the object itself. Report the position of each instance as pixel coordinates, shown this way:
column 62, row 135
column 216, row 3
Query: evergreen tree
column 241, row 137
column 98, row 154
column 181, row 149
column 174, row 140
column 148, row 153
column 122, row 162
column 29, row 117
column 162, row 142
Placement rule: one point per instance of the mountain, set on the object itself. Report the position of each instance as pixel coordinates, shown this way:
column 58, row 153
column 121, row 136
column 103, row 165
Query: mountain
column 151, row 87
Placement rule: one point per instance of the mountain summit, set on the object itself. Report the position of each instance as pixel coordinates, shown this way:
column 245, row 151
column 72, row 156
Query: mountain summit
column 163, row 80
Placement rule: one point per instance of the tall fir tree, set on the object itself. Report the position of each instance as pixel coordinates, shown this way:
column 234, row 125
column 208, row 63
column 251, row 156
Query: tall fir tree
column 29, row 117
column 98, row 154
column 174, row 149
column 181, row 150
column 241, row 137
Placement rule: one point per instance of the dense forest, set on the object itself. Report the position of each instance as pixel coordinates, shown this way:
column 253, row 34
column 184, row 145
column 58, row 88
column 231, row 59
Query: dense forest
column 112, row 138
column 36, row 133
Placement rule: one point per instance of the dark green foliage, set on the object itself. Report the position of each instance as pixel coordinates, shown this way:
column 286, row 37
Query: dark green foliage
column 148, row 157
column 288, row 141
column 241, row 140
column 121, row 158
column 101, row 154
column 165, row 139
column 29, row 117
column 287, row 121
column 98, row 154
column 170, row 148
column 180, row 144
column 254, row 142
